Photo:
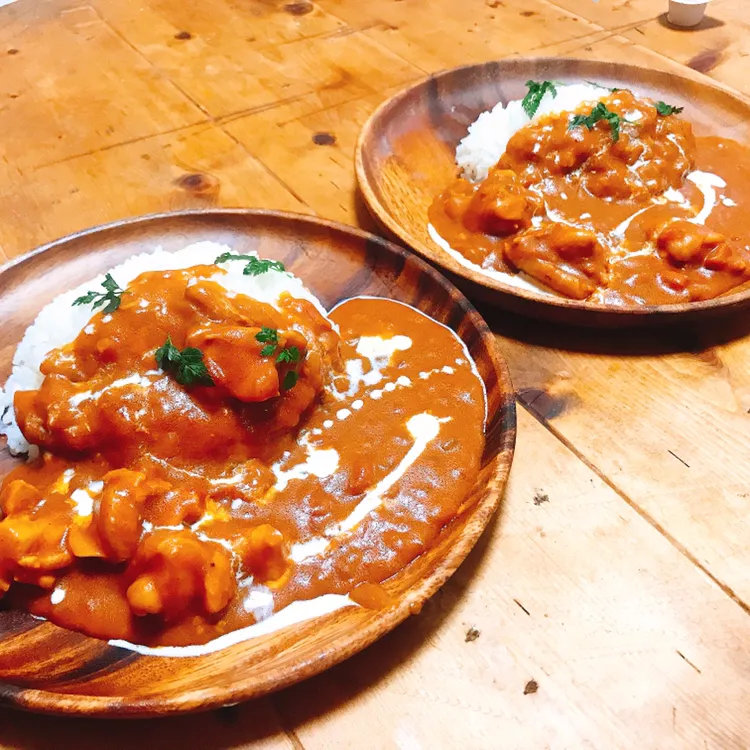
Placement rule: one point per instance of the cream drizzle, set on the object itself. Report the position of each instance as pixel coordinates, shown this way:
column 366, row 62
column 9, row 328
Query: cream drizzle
column 403, row 380
column 83, row 503
column 706, row 182
column 519, row 280
column 295, row 613
column 424, row 428
column 320, row 463
column 135, row 379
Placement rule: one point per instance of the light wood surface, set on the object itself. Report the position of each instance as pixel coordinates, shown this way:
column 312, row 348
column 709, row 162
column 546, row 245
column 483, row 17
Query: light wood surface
column 611, row 593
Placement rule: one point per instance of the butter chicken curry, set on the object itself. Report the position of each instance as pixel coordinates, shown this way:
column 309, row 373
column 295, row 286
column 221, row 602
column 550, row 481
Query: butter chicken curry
column 614, row 202
column 208, row 459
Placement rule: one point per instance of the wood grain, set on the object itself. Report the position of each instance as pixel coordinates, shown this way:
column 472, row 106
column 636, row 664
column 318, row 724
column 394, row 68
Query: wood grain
column 663, row 416
column 70, row 79
column 451, row 36
column 197, row 167
column 406, row 156
column 603, row 459
column 71, row 673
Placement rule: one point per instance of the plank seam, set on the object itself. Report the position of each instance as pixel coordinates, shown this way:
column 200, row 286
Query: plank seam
column 637, row 508
column 109, row 147
column 273, row 174
column 143, row 57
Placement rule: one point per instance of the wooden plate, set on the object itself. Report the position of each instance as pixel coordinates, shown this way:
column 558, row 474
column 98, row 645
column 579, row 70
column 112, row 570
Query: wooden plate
column 405, row 157
column 46, row 668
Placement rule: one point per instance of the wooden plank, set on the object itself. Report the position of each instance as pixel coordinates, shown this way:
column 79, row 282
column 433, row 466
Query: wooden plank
column 233, row 66
column 310, row 146
column 720, row 47
column 196, row 167
column 594, row 633
column 453, row 36
column 162, row 27
column 662, row 416
column 616, row 14
column 69, row 85
column 605, row 45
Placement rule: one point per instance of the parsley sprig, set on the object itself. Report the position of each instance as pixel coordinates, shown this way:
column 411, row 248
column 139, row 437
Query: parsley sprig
column 187, row 365
column 255, row 266
column 598, row 113
column 536, row 92
column 665, row 109
column 111, row 296
column 269, row 337
column 290, row 355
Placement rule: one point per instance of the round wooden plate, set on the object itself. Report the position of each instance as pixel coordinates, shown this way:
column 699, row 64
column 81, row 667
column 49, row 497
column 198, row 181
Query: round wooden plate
column 46, row 668
column 405, row 157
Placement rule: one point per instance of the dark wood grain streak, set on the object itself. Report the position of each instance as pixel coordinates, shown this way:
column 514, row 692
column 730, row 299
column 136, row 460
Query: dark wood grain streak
column 50, row 669
column 405, row 157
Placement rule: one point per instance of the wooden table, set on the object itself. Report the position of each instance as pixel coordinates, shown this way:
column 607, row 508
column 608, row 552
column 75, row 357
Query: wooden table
column 610, row 595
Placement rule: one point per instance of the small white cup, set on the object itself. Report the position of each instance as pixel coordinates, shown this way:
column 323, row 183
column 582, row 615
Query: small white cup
column 686, row 13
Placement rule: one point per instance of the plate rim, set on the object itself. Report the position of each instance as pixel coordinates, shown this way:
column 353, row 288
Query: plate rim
column 208, row 698
column 446, row 263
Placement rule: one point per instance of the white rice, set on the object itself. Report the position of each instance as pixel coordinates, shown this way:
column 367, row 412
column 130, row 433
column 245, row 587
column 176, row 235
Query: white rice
column 489, row 134
column 60, row 322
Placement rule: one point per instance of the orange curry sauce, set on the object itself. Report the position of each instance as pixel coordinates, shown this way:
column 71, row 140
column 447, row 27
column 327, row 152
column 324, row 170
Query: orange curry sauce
column 166, row 514
column 637, row 220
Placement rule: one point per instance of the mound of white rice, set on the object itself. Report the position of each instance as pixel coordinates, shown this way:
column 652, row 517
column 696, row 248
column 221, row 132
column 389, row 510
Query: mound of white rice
column 490, row 132
column 60, row 322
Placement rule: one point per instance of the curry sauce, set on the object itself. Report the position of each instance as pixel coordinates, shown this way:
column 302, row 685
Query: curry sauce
column 642, row 215
column 165, row 513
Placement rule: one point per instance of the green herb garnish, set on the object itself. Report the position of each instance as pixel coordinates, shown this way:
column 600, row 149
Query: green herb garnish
column 111, row 296
column 665, row 109
column 291, row 355
column 537, row 90
column 602, row 86
column 187, row 365
column 269, row 337
column 597, row 114
column 255, row 266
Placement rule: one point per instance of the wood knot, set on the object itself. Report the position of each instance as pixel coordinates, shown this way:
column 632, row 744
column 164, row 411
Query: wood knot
column 299, row 9
column 202, row 185
column 183, row 35
column 13, row 51
column 541, row 403
column 324, row 139
column 705, row 60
